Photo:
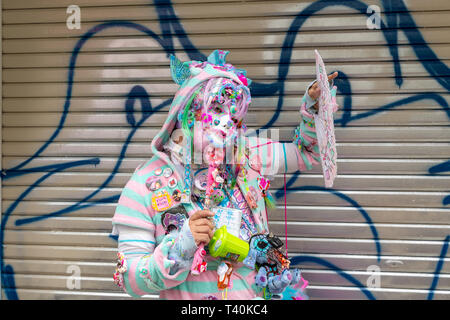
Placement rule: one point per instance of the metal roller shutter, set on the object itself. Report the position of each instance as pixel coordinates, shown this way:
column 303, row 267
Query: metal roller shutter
column 69, row 146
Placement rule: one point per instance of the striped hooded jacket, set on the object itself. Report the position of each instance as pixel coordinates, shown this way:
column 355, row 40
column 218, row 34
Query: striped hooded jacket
column 153, row 261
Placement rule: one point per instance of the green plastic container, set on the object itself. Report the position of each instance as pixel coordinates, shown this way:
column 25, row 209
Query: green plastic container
column 225, row 245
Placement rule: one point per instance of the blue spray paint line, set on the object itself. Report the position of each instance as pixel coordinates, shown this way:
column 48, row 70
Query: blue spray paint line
column 438, row 269
column 48, row 168
column 435, row 67
column 169, row 22
column 137, row 93
column 79, row 206
column 446, row 201
column 354, row 203
column 8, row 283
column 166, row 43
column 7, row 272
column 439, row 168
column 442, row 167
column 71, row 73
column 289, row 183
column 304, row 258
column 408, row 26
column 347, row 117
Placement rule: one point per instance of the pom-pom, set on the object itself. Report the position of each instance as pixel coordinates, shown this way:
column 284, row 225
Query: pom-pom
column 269, row 200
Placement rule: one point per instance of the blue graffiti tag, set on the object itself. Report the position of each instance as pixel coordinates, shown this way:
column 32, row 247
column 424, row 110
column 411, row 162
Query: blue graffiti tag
column 305, row 258
column 354, row 203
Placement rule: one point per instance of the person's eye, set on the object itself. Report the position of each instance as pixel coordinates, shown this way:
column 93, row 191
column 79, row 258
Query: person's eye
column 235, row 120
column 218, row 109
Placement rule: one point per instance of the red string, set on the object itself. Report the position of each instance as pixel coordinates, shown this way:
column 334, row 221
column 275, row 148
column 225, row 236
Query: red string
column 285, row 215
column 264, row 144
column 267, row 216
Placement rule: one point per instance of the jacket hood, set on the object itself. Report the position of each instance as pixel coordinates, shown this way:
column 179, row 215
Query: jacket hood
column 190, row 75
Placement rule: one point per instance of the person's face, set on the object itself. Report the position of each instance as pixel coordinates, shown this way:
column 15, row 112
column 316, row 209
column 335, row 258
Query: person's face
column 219, row 125
column 216, row 114
column 221, row 113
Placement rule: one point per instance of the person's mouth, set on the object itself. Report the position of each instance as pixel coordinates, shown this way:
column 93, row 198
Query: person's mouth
column 222, row 134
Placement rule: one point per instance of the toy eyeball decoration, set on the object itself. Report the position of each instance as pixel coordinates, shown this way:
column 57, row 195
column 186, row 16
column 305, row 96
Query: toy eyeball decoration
column 218, row 195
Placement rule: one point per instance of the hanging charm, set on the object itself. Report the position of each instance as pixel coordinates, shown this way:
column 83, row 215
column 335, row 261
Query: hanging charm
column 264, row 185
column 224, row 271
column 198, row 265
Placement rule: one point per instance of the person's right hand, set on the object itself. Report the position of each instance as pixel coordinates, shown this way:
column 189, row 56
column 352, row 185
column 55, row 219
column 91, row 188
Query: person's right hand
column 314, row 90
column 202, row 228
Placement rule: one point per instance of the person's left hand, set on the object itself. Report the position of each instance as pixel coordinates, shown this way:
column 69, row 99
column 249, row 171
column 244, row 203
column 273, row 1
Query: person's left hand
column 314, row 90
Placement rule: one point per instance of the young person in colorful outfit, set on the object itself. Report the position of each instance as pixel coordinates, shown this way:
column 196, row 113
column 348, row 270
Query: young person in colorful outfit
column 203, row 161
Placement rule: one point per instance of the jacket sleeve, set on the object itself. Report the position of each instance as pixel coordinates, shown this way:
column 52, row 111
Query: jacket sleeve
column 272, row 157
column 144, row 266
column 305, row 138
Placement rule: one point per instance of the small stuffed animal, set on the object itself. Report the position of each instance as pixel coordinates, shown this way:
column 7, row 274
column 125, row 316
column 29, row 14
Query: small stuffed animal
column 259, row 246
column 273, row 266
column 276, row 283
